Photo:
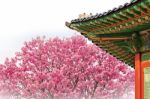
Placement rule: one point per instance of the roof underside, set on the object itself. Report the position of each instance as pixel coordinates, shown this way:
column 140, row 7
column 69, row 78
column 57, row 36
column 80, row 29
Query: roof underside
column 120, row 24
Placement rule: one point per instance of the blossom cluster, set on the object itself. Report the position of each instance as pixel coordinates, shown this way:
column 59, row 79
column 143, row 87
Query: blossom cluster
column 65, row 69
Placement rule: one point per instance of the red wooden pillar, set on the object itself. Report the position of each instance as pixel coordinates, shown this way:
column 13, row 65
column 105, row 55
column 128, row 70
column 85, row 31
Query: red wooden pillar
column 138, row 76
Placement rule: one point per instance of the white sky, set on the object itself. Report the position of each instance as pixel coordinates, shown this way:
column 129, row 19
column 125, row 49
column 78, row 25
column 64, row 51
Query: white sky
column 21, row 20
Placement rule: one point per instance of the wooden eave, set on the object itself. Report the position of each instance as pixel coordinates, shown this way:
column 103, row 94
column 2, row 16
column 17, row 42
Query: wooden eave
column 113, row 29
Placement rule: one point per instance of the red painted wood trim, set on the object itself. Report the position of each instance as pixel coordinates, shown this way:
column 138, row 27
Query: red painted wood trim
column 143, row 64
column 137, row 76
column 142, row 82
column 146, row 64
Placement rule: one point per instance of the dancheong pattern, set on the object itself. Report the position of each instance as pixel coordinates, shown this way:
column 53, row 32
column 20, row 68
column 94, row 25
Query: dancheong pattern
column 123, row 31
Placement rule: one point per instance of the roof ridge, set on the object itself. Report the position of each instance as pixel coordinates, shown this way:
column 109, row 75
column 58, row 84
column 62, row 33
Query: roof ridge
column 105, row 13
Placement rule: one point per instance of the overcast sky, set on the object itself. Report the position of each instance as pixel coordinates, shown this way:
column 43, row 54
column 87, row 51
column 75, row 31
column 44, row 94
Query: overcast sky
column 22, row 20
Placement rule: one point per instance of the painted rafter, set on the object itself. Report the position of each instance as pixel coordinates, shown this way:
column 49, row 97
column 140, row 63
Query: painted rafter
column 117, row 30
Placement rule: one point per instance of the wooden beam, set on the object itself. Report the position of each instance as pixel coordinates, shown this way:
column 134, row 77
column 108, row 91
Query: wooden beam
column 138, row 76
column 109, row 39
column 116, row 35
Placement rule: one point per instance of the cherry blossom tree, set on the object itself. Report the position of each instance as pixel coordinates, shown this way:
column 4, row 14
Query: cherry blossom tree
column 65, row 69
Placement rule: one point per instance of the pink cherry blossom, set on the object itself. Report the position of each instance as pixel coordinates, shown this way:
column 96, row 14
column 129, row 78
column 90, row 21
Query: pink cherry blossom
column 65, row 69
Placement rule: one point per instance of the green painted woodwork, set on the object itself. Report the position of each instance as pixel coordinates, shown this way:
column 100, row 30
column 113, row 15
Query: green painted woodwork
column 122, row 34
column 129, row 21
column 113, row 48
column 146, row 57
column 146, row 82
column 137, row 42
column 131, row 12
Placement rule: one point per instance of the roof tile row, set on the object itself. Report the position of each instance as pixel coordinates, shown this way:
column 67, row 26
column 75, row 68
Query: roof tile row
column 105, row 13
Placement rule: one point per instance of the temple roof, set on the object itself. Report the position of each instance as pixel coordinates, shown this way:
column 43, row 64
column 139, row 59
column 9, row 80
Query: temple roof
column 126, row 5
column 115, row 30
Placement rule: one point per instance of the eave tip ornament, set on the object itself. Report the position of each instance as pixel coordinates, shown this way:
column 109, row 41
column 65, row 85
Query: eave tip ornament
column 84, row 15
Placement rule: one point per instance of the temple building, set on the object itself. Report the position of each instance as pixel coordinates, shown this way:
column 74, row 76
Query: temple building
column 123, row 32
